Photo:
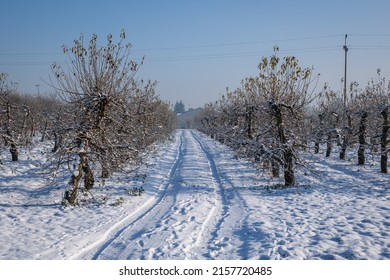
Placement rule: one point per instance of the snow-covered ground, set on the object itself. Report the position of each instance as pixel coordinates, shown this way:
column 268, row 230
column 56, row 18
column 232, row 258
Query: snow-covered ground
column 199, row 203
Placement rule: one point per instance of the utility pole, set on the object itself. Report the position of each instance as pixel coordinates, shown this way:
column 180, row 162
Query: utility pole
column 38, row 88
column 345, row 73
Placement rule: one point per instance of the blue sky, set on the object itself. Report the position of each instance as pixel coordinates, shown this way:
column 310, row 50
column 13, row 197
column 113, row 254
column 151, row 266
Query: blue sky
column 195, row 49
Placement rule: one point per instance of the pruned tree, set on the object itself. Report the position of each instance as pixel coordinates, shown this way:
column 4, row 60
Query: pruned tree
column 16, row 121
column 327, row 121
column 105, row 102
column 266, row 115
column 376, row 100
column 361, row 122
column 348, row 120
column 283, row 86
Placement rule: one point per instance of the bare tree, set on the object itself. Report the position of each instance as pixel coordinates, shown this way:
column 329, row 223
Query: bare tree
column 266, row 114
column 384, row 137
column 283, row 88
column 102, row 96
column 9, row 130
column 377, row 102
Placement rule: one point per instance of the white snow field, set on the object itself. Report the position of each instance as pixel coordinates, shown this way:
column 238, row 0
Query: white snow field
column 200, row 202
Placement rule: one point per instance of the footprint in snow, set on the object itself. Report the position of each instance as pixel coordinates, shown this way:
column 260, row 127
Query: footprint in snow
column 141, row 243
column 283, row 252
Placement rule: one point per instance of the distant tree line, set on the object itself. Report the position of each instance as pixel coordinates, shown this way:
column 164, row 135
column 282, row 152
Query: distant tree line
column 179, row 107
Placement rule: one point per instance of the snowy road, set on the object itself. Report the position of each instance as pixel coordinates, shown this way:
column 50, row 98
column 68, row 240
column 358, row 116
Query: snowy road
column 190, row 218
column 200, row 202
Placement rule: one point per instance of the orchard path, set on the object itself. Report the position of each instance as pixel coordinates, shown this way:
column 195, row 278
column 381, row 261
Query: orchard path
column 191, row 217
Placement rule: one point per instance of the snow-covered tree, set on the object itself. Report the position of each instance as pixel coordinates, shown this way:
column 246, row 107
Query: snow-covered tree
column 7, row 131
column 373, row 110
column 361, row 123
column 282, row 87
column 16, row 118
column 111, row 115
column 265, row 117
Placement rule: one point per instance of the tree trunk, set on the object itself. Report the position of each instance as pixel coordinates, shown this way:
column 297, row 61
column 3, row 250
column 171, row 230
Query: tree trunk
column 275, row 168
column 316, row 147
column 81, row 170
column 343, row 151
column 289, row 176
column 44, row 130
column 362, row 138
column 14, row 152
column 385, row 129
column 249, row 122
column 71, row 195
column 105, row 172
column 10, row 139
column 288, row 153
column 319, row 134
column 346, row 139
column 57, row 140
column 89, row 179
column 329, row 145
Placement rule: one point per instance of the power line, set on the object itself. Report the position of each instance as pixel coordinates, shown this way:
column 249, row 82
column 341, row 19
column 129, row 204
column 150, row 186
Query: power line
column 28, row 63
column 198, row 57
column 33, row 54
column 216, row 55
column 193, row 46
column 361, row 47
column 239, row 43
column 245, row 54
column 370, row 35
column 216, row 45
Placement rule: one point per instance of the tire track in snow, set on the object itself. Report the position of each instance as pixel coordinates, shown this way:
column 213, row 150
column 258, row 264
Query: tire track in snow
column 173, row 225
column 176, row 228
column 218, row 239
column 185, row 227
column 171, row 177
column 221, row 190
column 117, row 229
